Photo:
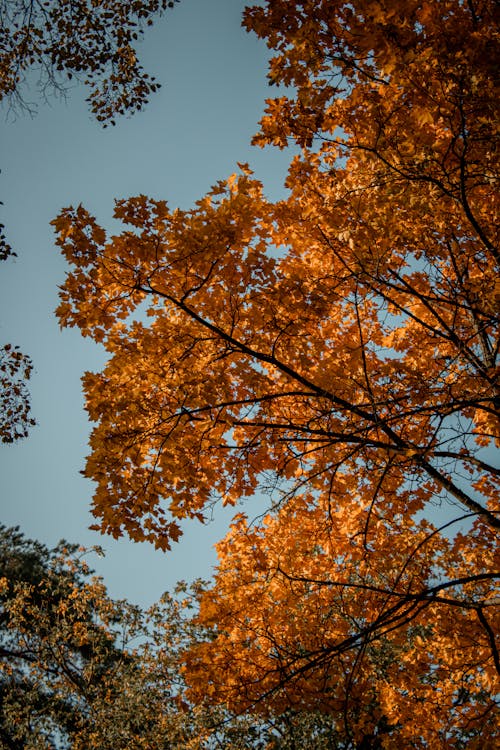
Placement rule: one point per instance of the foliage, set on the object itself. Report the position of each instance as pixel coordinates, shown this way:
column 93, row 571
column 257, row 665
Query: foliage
column 63, row 653
column 81, row 671
column 300, row 617
column 337, row 349
column 15, row 370
column 5, row 249
column 15, row 405
column 89, row 40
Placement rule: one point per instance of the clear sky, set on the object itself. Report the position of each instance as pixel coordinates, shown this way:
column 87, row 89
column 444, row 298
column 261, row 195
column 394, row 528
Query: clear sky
column 190, row 135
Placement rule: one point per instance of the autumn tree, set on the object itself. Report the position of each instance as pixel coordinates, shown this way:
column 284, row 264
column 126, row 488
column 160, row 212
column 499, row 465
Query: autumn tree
column 80, row 670
column 94, row 41
column 336, row 352
column 63, row 649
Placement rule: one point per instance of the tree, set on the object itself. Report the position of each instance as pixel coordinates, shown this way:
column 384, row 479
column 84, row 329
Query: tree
column 64, row 651
column 93, row 41
column 79, row 670
column 338, row 350
column 398, row 655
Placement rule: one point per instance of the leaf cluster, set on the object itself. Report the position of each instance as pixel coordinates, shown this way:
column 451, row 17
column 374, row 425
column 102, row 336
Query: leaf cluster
column 93, row 41
column 15, row 370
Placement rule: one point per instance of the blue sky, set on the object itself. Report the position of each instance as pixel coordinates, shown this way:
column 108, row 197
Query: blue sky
column 190, row 135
